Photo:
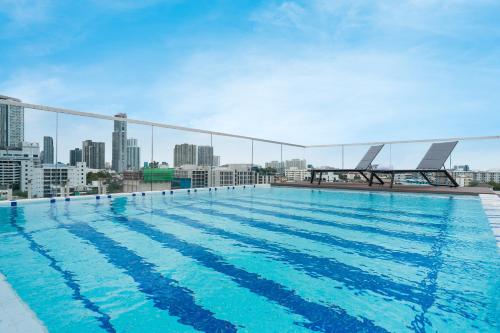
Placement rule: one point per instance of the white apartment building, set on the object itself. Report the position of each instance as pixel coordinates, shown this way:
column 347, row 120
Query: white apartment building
column 16, row 165
column 296, row 175
column 222, row 176
column 464, row 178
column 244, row 177
column 296, row 163
column 198, row 175
column 227, row 175
column 487, row 176
column 264, row 179
column 51, row 180
column 243, row 174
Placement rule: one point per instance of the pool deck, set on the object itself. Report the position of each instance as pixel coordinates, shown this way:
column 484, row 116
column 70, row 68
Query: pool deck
column 397, row 188
column 15, row 315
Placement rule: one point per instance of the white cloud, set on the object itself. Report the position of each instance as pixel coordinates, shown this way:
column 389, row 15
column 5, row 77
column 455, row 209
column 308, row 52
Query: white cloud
column 23, row 13
column 303, row 90
column 285, row 14
column 129, row 4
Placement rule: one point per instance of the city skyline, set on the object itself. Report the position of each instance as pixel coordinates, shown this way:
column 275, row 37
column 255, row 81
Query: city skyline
column 479, row 151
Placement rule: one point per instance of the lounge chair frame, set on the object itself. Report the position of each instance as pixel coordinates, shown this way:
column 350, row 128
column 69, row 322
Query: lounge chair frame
column 365, row 165
column 433, row 161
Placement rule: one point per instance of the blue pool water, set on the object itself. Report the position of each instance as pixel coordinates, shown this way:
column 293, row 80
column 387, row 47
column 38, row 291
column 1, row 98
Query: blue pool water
column 255, row 260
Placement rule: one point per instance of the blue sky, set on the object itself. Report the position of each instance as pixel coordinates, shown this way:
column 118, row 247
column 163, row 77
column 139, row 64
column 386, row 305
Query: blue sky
column 300, row 71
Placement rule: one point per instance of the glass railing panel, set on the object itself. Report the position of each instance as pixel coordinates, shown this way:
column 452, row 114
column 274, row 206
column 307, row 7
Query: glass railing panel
column 234, row 162
column 476, row 163
column 84, row 151
column 268, row 162
column 295, row 164
column 183, row 159
column 23, row 135
column 138, row 157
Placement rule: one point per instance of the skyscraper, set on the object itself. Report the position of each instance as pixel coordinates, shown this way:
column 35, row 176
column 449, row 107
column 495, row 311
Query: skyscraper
column 184, row 154
column 119, row 155
column 48, row 150
column 133, row 155
column 11, row 123
column 205, row 155
column 295, row 163
column 93, row 154
column 75, row 155
column 216, row 161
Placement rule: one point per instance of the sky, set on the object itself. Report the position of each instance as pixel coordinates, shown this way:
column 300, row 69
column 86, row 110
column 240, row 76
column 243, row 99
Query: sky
column 307, row 72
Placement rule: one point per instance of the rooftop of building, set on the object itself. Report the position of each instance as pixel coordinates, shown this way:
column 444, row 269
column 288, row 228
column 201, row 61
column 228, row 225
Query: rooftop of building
column 10, row 98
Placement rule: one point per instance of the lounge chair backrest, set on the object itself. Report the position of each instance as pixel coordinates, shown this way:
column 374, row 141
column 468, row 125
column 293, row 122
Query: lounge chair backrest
column 437, row 155
column 370, row 155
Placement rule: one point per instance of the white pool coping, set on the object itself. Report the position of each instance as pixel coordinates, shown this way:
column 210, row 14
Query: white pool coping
column 127, row 194
column 15, row 315
column 491, row 206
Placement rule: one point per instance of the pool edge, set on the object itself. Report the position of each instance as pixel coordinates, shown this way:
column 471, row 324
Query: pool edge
column 491, row 206
column 14, row 203
column 15, row 314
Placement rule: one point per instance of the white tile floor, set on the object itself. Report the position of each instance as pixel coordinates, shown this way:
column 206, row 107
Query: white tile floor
column 491, row 205
column 15, row 315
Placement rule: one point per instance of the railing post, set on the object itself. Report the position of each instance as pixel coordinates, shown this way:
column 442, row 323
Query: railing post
column 251, row 168
column 282, row 167
column 390, row 155
column 57, row 148
column 152, row 156
column 210, row 177
column 342, row 156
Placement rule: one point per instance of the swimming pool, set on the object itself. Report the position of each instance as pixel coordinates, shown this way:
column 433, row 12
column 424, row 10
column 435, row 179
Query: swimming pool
column 255, row 260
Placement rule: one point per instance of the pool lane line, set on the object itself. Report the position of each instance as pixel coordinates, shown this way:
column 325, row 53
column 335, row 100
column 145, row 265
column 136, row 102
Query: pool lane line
column 331, row 212
column 322, row 318
column 68, row 277
column 347, row 226
column 430, row 281
column 411, row 258
column 166, row 293
column 312, row 265
column 348, row 207
column 367, row 249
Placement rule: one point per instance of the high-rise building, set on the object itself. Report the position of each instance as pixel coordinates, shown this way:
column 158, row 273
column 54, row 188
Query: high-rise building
column 184, row 154
column 93, row 154
column 119, row 154
column 11, row 123
column 274, row 165
column 75, row 156
column 205, row 155
column 296, row 163
column 133, row 155
column 216, row 161
column 48, row 150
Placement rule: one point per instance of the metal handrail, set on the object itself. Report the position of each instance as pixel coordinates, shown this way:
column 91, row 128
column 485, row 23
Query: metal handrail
column 197, row 130
column 140, row 122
